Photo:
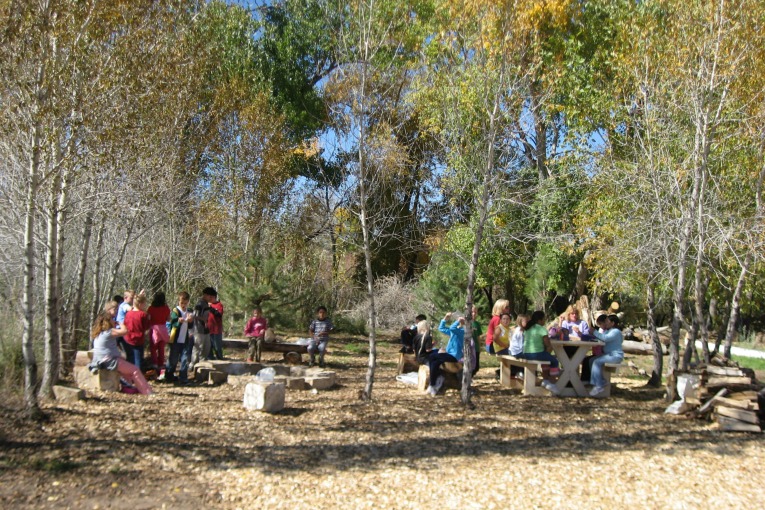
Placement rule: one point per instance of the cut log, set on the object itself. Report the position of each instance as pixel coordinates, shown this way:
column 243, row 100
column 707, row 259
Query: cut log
column 719, row 380
column 708, row 406
column 632, row 347
column 747, row 405
column 739, row 414
column 744, row 395
column 733, row 425
column 725, row 371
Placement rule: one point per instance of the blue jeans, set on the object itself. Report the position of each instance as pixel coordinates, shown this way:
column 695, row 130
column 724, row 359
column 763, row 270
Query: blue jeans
column 133, row 354
column 182, row 352
column 540, row 356
column 317, row 345
column 596, row 377
column 216, row 346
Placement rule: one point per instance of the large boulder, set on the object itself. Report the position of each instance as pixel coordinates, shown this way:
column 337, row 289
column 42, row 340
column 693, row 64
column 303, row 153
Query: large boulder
column 264, row 396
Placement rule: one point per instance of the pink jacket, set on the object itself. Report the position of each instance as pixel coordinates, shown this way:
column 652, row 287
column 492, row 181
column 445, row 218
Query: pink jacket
column 256, row 327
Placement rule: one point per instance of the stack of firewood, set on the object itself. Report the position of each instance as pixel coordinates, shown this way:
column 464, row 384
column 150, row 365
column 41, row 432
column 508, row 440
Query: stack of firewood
column 729, row 395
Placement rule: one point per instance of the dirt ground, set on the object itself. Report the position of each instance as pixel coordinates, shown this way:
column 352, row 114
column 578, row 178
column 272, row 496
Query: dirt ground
column 197, row 446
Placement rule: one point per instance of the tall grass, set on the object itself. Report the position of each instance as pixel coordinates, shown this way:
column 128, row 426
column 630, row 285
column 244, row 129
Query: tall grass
column 11, row 356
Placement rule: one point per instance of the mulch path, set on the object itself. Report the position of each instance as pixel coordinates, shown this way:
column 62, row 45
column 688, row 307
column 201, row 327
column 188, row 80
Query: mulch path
column 197, row 446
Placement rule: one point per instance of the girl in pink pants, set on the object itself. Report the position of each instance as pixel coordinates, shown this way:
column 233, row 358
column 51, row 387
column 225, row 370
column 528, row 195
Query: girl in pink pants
column 106, row 355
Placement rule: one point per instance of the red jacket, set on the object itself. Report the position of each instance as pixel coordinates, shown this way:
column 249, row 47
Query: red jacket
column 137, row 323
column 215, row 321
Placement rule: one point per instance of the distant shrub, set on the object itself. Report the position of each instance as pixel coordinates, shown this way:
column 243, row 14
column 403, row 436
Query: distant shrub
column 349, row 324
column 394, row 304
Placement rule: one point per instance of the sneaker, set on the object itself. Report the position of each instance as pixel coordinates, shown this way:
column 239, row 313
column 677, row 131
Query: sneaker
column 598, row 391
column 430, row 391
column 552, row 388
column 321, row 361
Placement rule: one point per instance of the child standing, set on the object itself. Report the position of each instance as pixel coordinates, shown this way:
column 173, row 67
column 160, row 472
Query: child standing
column 159, row 314
column 215, row 325
column 201, row 331
column 181, row 341
column 319, row 329
column 137, row 324
column 255, row 332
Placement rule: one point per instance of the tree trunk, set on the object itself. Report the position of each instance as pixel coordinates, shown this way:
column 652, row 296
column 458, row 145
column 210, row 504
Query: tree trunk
column 52, row 350
column 658, row 358
column 95, row 309
column 31, row 404
column 118, row 263
column 735, row 305
column 69, row 347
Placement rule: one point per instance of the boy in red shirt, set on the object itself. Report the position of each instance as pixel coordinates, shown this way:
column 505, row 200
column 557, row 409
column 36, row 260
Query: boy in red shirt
column 255, row 331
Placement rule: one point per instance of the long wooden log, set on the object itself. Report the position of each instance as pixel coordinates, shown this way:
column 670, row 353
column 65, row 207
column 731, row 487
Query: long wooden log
column 736, row 426
column 632, row 347
column 738, row 414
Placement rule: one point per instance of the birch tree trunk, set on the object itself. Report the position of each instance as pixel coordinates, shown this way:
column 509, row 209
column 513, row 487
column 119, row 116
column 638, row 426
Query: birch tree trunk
column 50, row 370
column 69, row 347
column 658, row 357
column 97, row 298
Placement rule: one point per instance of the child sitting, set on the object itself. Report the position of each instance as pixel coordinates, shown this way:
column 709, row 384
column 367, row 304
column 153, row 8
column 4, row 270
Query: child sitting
column 423, row 342
column 536, row 346
column 319, row 329
column 502, row 334
column 255, row 332
column 106, row 355
column 453, row 352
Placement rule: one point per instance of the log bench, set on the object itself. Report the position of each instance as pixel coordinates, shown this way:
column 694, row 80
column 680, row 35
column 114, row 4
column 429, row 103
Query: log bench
column 530, row 386
column 291, row 351
column 451, row 371
column 407, row 360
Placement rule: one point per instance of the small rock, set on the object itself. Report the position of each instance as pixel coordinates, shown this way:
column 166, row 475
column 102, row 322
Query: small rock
column 66, row 394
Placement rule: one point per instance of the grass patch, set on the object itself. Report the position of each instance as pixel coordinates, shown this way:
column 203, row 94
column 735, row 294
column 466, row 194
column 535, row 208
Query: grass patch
column 357, row 347
column 753, row 363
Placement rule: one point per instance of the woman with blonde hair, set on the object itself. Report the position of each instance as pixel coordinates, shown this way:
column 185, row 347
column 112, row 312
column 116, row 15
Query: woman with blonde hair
column 500, row 306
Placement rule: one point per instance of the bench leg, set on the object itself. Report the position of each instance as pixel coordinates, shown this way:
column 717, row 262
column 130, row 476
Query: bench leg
column 504, row 373
column 607, row 376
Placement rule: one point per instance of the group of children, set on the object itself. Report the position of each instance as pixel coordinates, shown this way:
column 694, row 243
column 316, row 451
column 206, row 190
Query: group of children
column 192, row 335
column 528, row 339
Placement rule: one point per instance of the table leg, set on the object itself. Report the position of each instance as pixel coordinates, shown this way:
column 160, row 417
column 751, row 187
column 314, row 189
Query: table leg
column 570, row 373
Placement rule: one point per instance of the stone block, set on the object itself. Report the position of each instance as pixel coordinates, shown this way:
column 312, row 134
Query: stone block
column 280, row 369
column 83, row 358
column 216, row 377
column 67, row 394
column 297, row 371
column 102, row 380
column 240, row 380
column 262, row 396
column 202, row 374
column 235, row 367
column 320, row 380
column 296, row 383
column 281, row 379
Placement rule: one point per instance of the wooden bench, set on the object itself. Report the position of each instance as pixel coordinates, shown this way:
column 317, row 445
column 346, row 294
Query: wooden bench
column 291, row 351
column 452, row 373
column 407, row 360
column 608, row 369
column 530, row 386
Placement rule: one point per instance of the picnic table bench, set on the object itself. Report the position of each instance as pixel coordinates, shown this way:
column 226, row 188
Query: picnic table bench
column 530, row 386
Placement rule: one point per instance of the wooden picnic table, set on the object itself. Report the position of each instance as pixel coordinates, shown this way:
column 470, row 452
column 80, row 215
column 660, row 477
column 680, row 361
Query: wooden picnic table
column 570, row 366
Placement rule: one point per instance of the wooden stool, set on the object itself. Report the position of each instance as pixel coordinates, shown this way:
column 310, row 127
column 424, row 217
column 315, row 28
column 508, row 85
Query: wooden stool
column 405, row 361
